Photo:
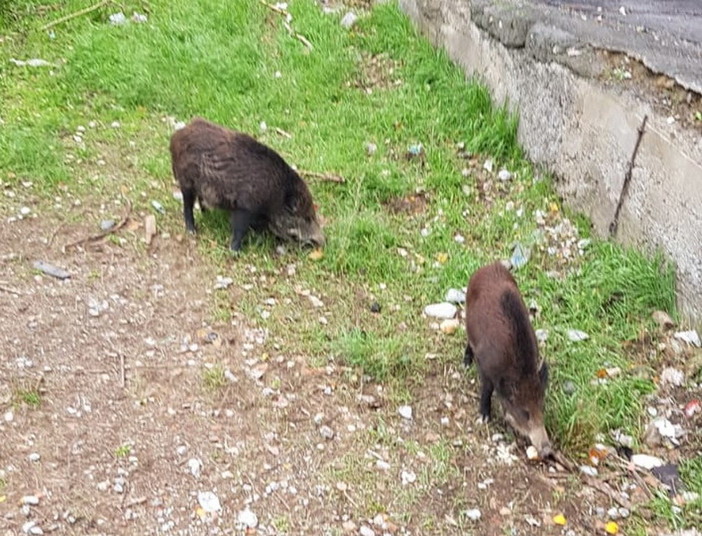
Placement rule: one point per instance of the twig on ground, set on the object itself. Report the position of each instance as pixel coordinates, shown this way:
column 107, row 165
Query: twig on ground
column 286, row 23
column 607, row 490
column 78, row 13
column 273, row 8
column 103, row 234
column 283, row 133
column 322, row 176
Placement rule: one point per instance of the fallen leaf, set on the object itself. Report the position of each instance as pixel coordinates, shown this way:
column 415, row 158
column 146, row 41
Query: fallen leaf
column 316, row 255
column 559, row 519
column 442, row 258
column 611, row 528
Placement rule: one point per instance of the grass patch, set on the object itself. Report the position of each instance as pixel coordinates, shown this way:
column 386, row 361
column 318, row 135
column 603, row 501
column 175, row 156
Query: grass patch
column 234, row 63
column 29, row 397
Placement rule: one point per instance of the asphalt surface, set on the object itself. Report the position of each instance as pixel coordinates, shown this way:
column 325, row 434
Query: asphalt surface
column 666, row 35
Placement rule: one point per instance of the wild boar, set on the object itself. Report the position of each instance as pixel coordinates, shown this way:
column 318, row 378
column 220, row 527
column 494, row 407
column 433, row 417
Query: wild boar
column 230, row 170
column 503, row 344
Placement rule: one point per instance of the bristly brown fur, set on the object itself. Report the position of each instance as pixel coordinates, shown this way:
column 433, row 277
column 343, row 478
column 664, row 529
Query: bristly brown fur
column 232, row 171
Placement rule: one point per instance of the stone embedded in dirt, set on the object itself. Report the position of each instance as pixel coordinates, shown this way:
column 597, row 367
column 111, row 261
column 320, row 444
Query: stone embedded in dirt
column 453, row 295
column 365, row 530
column 690, row 337
column 442, row 310
column 646, row 461
column 34, row 457
column 326, row 432
column 31, row 500
column 663, row 320
column 672, row 376
column 408, row 477
column 223, row 282
column 348, row 526
column 382, row 465
column 315, row 301
column 139, row 18
column 208, row 501
column 31, row 527
column 576, row 335
column 51, row 270
column 531, row 453
column 504, row 175
column 473, row 514
column 247, row 518
column 588, row 470
column 405, row 412
column 106, row 225
column 195, row 466
column 488, row 165
column 623, row 439
column 158, row 207
column 97, row 307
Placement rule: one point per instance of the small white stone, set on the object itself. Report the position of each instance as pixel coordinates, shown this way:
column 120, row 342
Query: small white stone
column 326, row 432
column 247, row 518
column 115, row 124
column 34, row 457
column 9, row 416
column 195, row 467
column 408, row 477
column 576, row 335
column 32, row 500
column 646, row 461
column 473, row 514
column 442, row 310
column 349, row 20
column 208, row 501
column 504, row 175
column 25, row 211
column 382, row 465
column 588, row 470
column 405, row 412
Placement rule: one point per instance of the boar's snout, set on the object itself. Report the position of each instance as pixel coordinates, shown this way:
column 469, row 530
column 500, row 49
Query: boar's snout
column 539, row 438
column 315, row 237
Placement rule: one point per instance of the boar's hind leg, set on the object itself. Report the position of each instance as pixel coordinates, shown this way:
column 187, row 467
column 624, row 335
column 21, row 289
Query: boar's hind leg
column 240, row 221
column 468, row 356
column 188, row 204
column 485, row 398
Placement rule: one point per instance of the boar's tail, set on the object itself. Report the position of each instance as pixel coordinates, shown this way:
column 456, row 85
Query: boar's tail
column 515, row 313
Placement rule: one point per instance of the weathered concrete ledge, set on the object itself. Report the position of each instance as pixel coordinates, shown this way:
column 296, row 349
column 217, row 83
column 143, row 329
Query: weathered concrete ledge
column 548, row 65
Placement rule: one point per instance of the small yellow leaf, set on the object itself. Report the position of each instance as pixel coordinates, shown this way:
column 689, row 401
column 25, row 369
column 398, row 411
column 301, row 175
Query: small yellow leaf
column 200, row 513
column 3, row 498
column 316, row 255
column 559, row 519
column 611, row 528
column 442, row 257
column 553, row 207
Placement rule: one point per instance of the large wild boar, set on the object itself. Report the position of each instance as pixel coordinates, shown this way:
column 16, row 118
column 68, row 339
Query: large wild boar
column 229, row 170
column 502, row 342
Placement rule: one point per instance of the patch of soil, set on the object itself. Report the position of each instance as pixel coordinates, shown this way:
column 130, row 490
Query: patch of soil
column 376, row 72
column 412, row 204
column 667, row 96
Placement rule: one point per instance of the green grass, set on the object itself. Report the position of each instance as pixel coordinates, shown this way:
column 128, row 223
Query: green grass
column 27, row 396
column 219, row 60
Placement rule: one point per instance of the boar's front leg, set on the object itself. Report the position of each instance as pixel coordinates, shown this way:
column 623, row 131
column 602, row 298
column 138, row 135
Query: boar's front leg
column 188, row 204
column 468, row 356
column 240, row 221
column 485, row 398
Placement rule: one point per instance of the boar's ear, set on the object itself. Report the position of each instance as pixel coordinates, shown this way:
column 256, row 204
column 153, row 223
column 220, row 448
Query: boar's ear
column 543, row 374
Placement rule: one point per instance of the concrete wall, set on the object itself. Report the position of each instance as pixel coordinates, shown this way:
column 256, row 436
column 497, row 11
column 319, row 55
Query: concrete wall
column 581, row 131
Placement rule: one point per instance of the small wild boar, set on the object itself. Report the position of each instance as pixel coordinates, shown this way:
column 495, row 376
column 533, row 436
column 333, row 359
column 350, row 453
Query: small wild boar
column 229, row 170
column 502, row 342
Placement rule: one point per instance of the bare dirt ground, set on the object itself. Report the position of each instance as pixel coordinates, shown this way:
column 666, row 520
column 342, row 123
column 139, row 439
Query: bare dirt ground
column 126, row 411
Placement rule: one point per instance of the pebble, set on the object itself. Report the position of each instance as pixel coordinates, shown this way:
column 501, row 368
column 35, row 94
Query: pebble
column 541, row 335
column 32, row 500
column 50, row 269
column 646, row 461
column 408, row 477
column 473, row 514
column 672, row 376
column 247, row 518
column 371, row 148
column 31, row 527
column 382, row 465
column 106, row 225
column 227, row 475
column 690, row 337
column 532, row 453
column 504, row 175
column 576, row 335
column 326, row 432
column 487, row 166
column 349, row 20
column 441, row 310
column 25, row 211
column 405, row 412
column 34, row 457
column 588, row 470
column 223, row 282
column 9, row 416
column 208, row 501
column 115, row 124
column 453, row 295
column 366, row 531
column 569, row 387
column 195, row 467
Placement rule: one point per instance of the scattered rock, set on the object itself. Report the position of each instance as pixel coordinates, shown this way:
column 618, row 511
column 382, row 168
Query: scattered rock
column 223, row 282
column 106, row 225
column 453, row 295
column 34, row 457
column 51, row 270
column 576, row 335
column 348, row 526
column 247, row 518
column 672, row 376
column 690, row 337
column 441, row 310
column 473, row 514
column 408, row 477
column 371, row 148
column 118, row 19
column 488, row 165
column 646, row 461
column 139, row 18
column 326, row 432
column 405, row 412
column 504, row 175
column 541, row 335
column 195, row 466
column 349, row 20
column 365, row 530
column 31, row 500
column 663, row 320
column 375, row 307
column 31, row 527
column 531, row 453
column 588, row 470
column 208, row 501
